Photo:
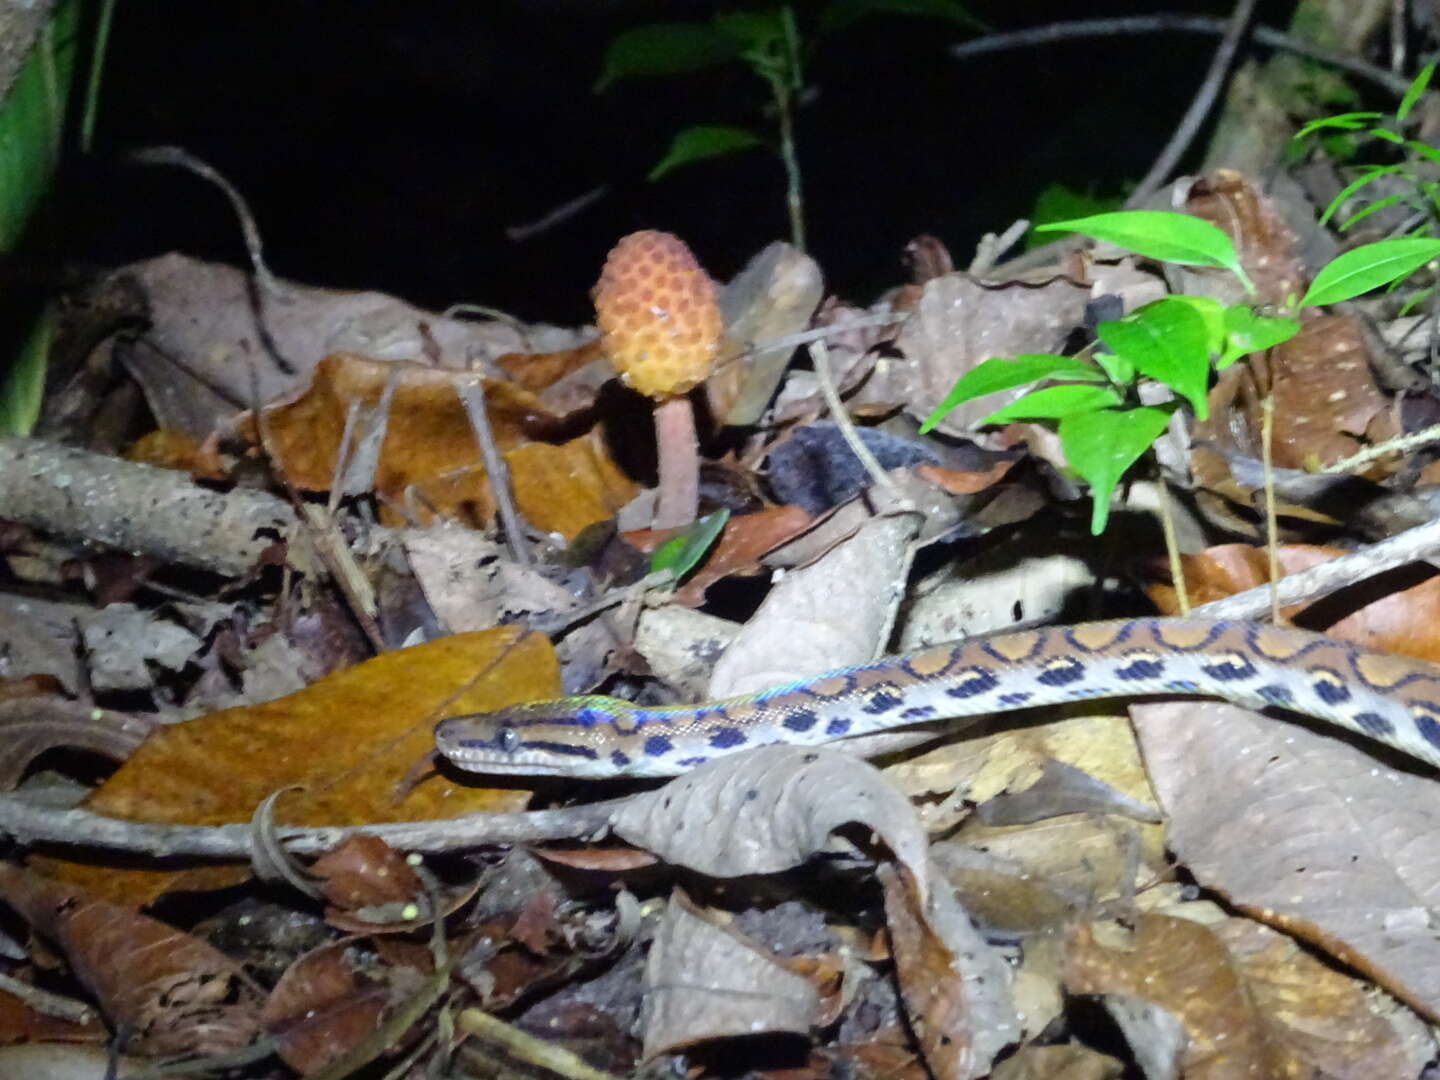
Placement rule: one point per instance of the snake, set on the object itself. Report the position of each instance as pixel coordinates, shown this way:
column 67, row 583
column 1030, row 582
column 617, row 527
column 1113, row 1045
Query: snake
column 1391, row 700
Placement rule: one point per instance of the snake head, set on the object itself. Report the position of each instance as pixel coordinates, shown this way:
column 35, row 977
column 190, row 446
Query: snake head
column 570, row 737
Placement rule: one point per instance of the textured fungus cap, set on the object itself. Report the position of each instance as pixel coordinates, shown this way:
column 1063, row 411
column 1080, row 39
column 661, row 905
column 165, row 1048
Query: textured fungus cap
column 659, row 321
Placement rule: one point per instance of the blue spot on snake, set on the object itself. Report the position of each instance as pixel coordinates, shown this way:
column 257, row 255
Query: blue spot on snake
column 800, row 720
column 1276, row 695
column 726, row 737
column 619, row 758
column 1228, row 668
column 1015, row 700
column 1141, row 666
column 1429, row 730
column 1061, row 672
column 658, row 746
column 838, row 726
column 1374, row 724
column 976, row 680
column 882, row 700
column 1328, row 687
column 919, row 712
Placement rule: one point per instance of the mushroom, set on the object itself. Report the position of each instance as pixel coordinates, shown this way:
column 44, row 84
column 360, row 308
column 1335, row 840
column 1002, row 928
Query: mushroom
column 660, row 326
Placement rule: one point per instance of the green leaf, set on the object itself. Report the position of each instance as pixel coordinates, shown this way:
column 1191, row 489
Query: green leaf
column 1353, row 121
column 683, row 552
column 1213, row 313
column 1120, row 370
column 22, row 387
column 844, row 13
column 665, row 49
column 1161, row 235
column 1372, row 172
column 1414, row 302
column 1166, row 340
column 1100, row 446
column 1413, row 92
column 1369, row 267
column 1055, row 403
column 1366, row 211
column 701, row 142
column 1246, row 332
column 999, row 373
column 1057, row 202
column 1425, row 150
column 753, row 30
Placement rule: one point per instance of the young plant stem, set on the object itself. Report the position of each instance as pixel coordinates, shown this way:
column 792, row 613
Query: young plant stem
column 1172, row 547
column 1267, row 431
column 678, row 450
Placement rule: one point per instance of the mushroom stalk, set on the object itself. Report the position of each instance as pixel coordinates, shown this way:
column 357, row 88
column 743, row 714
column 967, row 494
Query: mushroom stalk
column 678, row 449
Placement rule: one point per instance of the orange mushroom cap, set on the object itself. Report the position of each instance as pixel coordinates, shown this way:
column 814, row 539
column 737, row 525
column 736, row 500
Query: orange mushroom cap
column 659, row 320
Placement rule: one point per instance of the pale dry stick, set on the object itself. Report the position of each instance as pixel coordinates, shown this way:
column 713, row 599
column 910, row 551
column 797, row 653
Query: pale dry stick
column 1199, row 108
column 472, row 396
column 821, row 358
column 1172, row 548
column 1390, row 446
column 47, row 1003
column 526, row 1047
column 1323, row 578
column 1272, row 523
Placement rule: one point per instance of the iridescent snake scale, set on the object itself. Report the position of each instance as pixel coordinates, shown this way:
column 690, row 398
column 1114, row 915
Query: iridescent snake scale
column 1390, row 699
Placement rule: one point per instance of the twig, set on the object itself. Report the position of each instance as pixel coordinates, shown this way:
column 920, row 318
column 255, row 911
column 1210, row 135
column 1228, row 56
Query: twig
column 1370, row 453
column 566, row 210
column 472, row 396
column 1173, row 22
column 1200, row 105
column 92, row 498
column 821, row 358
column 1326, row 577
column 1272, row 522
column 28, row 823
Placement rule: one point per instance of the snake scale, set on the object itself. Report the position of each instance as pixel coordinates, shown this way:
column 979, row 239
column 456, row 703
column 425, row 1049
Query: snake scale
column 1392, row 700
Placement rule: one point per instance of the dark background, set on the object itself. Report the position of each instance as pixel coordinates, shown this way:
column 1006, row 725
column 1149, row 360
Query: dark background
column 389, row 146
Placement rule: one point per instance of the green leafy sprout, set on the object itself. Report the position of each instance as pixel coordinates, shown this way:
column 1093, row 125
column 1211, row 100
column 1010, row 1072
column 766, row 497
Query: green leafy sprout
column 770, row 44
column 1094, row 399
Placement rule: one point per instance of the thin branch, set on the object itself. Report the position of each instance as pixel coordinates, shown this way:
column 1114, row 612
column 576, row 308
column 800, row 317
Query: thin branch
column 1177, row 23
column 1200, row 106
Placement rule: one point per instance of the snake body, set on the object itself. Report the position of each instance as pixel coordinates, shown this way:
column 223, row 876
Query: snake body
column 1392, row 700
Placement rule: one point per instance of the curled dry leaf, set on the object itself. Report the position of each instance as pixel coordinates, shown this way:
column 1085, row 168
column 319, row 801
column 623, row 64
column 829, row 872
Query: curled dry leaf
column 173, row 992
column 329, row 1001
column 707, row 981
column 1325, row 842
column 956, row 987
column 767, row 810
column 31, row 725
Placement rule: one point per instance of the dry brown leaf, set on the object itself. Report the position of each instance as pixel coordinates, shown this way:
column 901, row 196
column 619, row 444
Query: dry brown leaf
column 348, row 739
column 569, row 487
column 745, row 539
column 173, row 992
column 536, row 372
column 1307, row 832
column 767, row 810
column 955, row 987
column 29, row 726
column 1183, row 968
column 366, row 872
column 1398, row 622
column 958, row 323
column 1063, row 1062
column 1265, row 245
column 1326, row 399
column 707, row 981
column 178, row 450
column 428, row 444
column 1329, row 1019
column 329, row 1000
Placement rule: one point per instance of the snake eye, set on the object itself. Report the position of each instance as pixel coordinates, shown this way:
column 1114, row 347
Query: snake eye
column 508, row 739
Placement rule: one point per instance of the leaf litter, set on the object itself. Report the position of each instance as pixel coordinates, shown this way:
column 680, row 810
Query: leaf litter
column 969, row 910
